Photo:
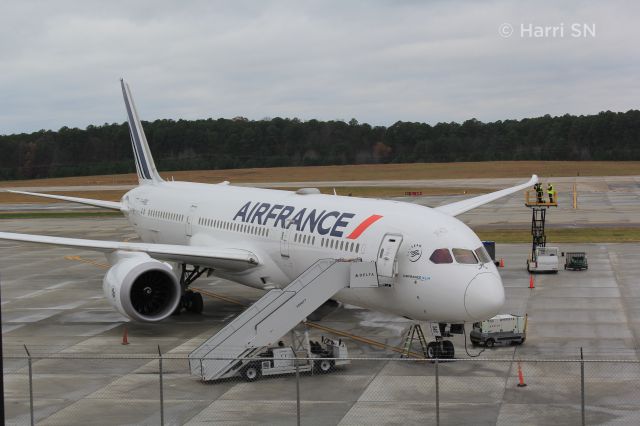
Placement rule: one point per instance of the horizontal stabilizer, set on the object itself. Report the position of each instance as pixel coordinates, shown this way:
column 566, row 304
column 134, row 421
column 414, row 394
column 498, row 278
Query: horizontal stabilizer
column 112, row 205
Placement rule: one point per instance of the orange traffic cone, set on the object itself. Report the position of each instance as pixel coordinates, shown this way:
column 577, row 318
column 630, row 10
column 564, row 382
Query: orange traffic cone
column 501, row 262
column 531, row 285
column 125, row 336
column 521, row 382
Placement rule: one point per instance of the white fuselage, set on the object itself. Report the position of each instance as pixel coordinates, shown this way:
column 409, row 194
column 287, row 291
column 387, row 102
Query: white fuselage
column 289, row 231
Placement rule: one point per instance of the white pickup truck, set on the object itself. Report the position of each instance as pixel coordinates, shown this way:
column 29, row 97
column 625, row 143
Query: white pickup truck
column 545, row 259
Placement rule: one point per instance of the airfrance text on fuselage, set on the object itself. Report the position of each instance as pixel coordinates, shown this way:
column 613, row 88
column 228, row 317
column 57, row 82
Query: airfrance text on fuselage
column 304, row 220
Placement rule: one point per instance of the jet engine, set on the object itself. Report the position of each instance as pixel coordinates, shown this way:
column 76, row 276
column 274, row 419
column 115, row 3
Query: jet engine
column 141, row 288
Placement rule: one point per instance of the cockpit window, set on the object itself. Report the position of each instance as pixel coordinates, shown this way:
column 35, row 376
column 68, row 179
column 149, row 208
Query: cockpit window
column 482, row 254
column 464, row 256
column 441, row 256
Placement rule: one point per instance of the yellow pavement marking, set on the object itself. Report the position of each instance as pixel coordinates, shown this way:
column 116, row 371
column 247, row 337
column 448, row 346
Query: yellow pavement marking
column 89, row 261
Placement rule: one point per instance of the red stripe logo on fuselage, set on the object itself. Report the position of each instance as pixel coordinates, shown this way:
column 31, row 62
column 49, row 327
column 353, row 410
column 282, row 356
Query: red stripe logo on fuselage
column 363, row 226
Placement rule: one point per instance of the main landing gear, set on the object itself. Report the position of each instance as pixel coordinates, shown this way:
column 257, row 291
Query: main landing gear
column 190, row 301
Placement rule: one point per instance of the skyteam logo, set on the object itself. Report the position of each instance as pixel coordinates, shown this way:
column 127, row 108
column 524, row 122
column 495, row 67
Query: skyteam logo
column 323, row 222
column 415, row 252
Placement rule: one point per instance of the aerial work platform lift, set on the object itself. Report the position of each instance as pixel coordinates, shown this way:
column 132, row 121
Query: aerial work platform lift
column 542, row 258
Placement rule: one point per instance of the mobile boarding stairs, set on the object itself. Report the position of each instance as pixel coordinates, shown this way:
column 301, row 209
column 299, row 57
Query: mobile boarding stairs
column 276, row 313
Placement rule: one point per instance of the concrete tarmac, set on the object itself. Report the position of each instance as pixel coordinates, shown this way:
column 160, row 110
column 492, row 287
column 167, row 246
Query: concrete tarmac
column 52, row 302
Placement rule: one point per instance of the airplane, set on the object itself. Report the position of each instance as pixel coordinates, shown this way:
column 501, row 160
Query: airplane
column 432, row 266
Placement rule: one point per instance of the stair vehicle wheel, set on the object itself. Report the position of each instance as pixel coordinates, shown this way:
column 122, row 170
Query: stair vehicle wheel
column 490, row 343
column 448, row 350
column 251, row 373
column 324, row 366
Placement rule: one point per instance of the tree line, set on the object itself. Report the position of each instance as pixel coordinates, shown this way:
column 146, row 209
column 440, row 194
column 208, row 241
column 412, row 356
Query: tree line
column 242, row 143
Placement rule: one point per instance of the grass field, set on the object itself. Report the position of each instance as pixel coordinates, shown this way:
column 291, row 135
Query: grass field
column 564, row 235
column 492, row 169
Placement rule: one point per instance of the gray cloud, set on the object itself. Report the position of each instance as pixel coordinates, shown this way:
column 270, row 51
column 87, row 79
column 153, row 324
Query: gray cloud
column 377, row 61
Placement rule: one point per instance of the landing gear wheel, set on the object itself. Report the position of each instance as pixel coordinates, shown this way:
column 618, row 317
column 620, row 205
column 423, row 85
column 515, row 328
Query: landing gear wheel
column 490, row 343
column 433, row 350
column 251, row 373
column 192, row 302
column 197, row 304
column 448, row 350
column 324, row 366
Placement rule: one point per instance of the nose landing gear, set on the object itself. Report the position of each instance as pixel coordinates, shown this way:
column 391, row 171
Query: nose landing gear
column 441, row 348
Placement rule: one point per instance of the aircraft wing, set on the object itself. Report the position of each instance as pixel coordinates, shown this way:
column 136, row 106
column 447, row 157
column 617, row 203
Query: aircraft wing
column 228, row 258
column 113, row 205
column 459, row 207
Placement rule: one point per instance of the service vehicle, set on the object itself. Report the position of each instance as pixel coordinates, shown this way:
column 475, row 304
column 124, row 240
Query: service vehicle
column 576, row 261
column 504, row 329
column 545, row 259
column 319, row 358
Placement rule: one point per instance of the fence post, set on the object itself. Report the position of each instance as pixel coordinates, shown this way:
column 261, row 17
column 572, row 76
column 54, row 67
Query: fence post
column 582, row 386
column 297, row 391
column 437, row 394
column 161, row 387
column 30, row 385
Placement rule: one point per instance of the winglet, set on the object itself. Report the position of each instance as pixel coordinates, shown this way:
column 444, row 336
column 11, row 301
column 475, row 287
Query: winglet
column 146, row 168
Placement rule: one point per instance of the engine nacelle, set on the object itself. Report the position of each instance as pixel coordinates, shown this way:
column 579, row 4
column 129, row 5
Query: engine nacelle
column 141, row 288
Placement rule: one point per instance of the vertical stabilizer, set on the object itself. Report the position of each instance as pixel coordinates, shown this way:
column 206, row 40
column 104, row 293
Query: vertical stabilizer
column 146, row 168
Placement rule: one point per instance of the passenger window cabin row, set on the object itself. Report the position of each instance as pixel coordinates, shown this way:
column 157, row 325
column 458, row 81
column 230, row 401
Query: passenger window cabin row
column 162, row 214
column 244, row 228
column 331, row 243
column 300, row 238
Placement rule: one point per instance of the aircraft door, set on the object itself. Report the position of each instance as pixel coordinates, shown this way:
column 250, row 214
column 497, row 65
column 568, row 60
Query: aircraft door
column 387, row 255
column 190, row 217
column 284, row 242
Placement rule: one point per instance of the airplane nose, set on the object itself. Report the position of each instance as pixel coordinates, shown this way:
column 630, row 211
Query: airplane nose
column 484, row 296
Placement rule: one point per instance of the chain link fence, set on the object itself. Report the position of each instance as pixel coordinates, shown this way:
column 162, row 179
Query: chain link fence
column 76, row 389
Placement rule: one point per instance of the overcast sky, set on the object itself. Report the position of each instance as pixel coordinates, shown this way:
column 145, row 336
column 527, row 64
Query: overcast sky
column 379, row 62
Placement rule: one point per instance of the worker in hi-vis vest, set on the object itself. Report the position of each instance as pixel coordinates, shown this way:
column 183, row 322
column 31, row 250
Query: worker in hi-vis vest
column 551, row 192
column 539, row 193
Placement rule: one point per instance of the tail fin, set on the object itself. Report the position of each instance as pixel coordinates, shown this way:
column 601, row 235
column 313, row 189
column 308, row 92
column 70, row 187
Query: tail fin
column 146, row 168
